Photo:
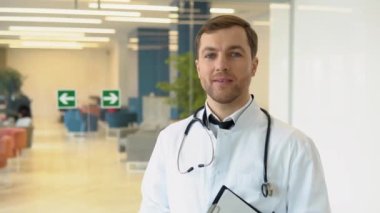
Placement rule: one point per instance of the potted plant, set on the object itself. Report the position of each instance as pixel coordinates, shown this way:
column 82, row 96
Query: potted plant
column 10, row 81
column 186, row 99
column 10, row 89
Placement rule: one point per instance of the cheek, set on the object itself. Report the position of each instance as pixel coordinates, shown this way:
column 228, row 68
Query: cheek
column 202, row 72
column 203, row 79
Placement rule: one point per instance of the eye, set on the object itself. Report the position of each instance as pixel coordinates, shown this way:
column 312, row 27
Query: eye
column 210, row 55
column 236, row 54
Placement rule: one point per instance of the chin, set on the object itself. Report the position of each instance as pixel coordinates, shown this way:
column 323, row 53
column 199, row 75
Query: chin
column 224, row 97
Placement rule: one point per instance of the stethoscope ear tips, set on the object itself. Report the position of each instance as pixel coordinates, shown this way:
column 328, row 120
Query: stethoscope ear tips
column 267, row 189
column 201, row 165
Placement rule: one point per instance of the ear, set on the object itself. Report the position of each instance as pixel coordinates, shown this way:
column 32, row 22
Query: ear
column 255, row 63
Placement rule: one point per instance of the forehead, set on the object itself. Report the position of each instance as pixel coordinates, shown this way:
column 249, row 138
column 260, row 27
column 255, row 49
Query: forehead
column 224, row 38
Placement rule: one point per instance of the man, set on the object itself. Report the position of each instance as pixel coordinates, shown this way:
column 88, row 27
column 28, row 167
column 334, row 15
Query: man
column 185, row 173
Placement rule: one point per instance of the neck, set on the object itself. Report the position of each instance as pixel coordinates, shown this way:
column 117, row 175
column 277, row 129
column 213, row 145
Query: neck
column 222, row 110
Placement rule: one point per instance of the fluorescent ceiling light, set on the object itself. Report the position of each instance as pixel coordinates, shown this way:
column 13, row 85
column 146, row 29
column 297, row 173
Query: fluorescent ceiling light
column 62, row 29
column 68, row 12
column 222, row 10
column 134, row 7
column 19, row 46
column 46, row 44
column 161, row 8
column 8, row 41
column 51, row 45
column 25, row 33
column 140, row 20
column 39, row 38
column 51, row 19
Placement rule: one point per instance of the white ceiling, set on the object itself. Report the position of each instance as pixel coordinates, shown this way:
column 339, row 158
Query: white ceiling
column 252, row 9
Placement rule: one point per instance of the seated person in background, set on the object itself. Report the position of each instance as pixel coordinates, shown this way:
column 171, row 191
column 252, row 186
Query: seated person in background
column 24, row 117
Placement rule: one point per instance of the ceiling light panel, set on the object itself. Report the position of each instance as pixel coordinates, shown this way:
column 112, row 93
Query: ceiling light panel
column 19, row 46
column 50, row 19
column 52, row 34
column 222, row 10
column 61, row 38
column 62, row 29
column 161, row 8
column 51, row 45
column 140, row 20
column 135, row 7
column 68, row 12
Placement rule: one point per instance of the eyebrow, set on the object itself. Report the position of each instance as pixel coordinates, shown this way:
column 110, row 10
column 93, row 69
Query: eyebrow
column 236, row 47
column 207, row 48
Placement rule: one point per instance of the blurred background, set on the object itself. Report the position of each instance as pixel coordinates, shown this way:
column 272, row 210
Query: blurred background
column 318, row 70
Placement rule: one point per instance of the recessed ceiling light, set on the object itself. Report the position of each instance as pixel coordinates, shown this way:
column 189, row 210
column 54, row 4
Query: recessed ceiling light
column 62, row 38
column 51, row 34
column 140, row 20
column 222, row 10
column 134, row 7
column 62, row 29
column 161, row 8
column 50, row 19
column 68, row 12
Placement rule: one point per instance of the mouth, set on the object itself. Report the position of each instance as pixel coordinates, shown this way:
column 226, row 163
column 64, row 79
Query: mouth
column 222, row 80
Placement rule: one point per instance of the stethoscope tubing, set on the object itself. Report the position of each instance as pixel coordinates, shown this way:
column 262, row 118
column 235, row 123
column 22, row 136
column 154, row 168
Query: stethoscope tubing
column 266, row 187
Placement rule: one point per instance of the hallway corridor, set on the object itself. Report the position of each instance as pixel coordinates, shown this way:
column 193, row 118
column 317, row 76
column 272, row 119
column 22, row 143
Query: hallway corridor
column 61, row 174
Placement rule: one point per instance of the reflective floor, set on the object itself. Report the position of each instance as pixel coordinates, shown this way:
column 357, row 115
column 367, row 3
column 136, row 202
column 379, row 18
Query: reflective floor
column 62, row 174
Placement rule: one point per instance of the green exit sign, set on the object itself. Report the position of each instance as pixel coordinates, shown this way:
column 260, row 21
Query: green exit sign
column 110, row 99
column 66, row 99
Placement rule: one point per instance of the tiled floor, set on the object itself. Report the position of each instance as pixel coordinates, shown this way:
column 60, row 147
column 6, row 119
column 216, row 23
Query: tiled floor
column 66, row 175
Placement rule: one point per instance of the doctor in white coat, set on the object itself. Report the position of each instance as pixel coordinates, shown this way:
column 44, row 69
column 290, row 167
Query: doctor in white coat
column 185, row 174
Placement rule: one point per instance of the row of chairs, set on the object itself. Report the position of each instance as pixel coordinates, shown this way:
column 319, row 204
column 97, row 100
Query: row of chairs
column 12, row 143
column 80, row 121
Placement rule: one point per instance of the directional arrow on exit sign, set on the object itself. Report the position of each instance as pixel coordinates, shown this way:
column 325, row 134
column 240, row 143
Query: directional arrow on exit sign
column 110, row 99
column 66, row 99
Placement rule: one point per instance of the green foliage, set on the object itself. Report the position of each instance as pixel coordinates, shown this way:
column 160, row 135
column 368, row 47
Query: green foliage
column 10, row 81
column 181, row 85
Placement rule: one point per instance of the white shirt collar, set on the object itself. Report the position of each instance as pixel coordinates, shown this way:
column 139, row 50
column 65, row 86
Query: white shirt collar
column 234, row 116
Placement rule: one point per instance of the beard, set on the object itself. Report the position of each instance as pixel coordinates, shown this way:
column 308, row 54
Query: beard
column 223, row 95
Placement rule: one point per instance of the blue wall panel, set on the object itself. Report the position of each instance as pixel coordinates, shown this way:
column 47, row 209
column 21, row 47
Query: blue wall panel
column 152, row 68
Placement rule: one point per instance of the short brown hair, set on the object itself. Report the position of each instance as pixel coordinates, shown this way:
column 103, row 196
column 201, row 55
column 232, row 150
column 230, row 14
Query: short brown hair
column 227, row 21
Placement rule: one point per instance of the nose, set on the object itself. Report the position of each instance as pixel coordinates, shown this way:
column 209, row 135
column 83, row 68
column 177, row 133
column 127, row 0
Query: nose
column 221, row 64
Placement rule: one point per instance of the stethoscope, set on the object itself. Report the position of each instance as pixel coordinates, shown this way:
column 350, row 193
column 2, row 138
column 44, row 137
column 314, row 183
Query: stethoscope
column 266, row 187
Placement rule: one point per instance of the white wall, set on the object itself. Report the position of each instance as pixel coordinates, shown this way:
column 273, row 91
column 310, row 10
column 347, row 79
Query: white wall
column 47, row 71
column 279, row 63
column 335, row 96
column 123, row 67
column 259, row 85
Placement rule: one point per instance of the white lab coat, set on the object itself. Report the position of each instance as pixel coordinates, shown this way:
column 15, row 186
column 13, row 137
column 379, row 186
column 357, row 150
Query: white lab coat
column 294, row 168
